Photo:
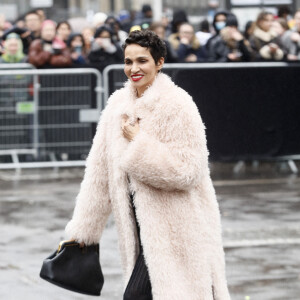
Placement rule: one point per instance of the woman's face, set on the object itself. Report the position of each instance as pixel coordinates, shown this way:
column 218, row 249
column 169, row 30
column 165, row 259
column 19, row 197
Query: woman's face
column 48, row 32
column 12, row 46
column 76, row 42
column 186, row 31
column 63, row 31
column 140, row 67
column 88, row 34
column 160, row 31
column 266, row 23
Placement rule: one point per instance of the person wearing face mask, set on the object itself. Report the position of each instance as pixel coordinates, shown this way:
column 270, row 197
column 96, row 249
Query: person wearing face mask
column 230, row 45
column 77, row 48
column 219, row 23
column 104, row 51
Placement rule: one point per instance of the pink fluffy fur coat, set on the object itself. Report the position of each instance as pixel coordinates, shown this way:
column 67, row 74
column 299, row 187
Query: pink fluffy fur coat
column 176, row 206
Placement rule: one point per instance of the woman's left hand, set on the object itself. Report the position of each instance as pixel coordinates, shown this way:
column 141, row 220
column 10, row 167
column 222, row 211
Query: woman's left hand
column 130, row 129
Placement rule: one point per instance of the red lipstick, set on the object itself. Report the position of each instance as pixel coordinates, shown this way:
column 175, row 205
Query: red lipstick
column 137, row 77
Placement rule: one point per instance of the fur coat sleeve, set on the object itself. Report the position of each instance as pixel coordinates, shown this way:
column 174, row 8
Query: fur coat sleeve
column 177, row 163
column 93, row 203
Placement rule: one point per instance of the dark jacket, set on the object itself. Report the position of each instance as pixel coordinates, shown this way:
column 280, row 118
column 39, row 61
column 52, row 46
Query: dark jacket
column 172, row 56
column 290, row 46
column 100, row 58
column 260, row 41
column 184, row 51
column 211, row 40
column 221, row 47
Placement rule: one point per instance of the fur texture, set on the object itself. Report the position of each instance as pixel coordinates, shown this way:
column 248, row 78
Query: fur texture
column 176, row 206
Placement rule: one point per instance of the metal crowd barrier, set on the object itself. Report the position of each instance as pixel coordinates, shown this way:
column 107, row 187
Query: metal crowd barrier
column 251, row 110
column 46, row 116
column 114, row 77
column 16, row 66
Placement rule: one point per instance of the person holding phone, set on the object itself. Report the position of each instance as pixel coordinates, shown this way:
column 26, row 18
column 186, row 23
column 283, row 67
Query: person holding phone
column 77, row 48
column 104, row 51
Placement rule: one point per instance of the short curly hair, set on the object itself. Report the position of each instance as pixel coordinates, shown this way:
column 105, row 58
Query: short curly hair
column 149, row 40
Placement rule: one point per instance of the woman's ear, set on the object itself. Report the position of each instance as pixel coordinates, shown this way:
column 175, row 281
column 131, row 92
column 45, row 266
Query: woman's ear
column 160, row 64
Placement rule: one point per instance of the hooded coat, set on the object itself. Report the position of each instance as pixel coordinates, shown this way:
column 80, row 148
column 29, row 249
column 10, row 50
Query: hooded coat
column 175, row 202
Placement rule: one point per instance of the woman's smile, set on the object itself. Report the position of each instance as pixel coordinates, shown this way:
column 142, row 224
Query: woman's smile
column 137, row 77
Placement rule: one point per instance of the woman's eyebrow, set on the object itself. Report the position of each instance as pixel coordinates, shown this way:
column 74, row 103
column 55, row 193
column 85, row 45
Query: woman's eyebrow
column 139, row 57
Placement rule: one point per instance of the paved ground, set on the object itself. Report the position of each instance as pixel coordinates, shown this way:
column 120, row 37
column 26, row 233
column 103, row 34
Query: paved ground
column 260, row 214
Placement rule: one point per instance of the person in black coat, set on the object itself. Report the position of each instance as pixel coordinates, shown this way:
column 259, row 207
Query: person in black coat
column 104, row 51
column 230, row 45
column 219, row 22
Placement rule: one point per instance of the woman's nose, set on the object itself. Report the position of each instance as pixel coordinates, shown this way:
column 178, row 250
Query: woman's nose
column 135, row 68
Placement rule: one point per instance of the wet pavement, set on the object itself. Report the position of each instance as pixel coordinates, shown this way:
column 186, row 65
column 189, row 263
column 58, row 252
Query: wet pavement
column 260, row 209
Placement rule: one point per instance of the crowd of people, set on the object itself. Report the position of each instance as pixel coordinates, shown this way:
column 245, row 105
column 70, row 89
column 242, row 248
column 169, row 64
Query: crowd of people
column 44, row 43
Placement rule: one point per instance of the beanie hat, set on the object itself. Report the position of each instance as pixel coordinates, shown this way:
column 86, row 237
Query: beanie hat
column 48, row 22
column 146, row 8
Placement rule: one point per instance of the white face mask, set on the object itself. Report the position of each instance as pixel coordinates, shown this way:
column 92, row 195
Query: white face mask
column 220, row 25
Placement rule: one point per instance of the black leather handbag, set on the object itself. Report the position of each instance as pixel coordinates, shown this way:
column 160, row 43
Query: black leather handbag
column 75, row 268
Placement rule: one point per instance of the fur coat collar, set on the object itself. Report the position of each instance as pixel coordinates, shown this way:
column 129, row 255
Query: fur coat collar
column 265, row 36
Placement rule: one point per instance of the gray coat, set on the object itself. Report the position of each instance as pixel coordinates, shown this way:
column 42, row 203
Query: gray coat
column 290, row 46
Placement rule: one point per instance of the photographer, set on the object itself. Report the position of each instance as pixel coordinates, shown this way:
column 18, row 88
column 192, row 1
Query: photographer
column 104, row 50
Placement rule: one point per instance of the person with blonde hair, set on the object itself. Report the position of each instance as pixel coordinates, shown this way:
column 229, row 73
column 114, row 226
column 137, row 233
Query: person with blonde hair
column 13, row 50
column 186, row 45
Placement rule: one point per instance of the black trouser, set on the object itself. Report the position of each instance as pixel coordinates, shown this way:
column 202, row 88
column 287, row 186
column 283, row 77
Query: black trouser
column 139, row 286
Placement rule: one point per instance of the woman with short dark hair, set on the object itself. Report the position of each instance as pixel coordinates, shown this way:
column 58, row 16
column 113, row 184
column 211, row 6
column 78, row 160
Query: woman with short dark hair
column 149, row 166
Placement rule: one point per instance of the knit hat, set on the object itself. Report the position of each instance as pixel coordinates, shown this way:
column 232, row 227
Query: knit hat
column 48, row 22
column 99, row 19
column 146, row 8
